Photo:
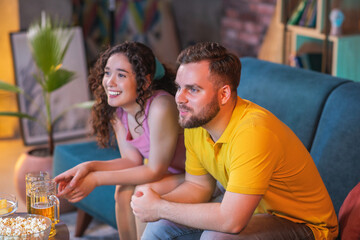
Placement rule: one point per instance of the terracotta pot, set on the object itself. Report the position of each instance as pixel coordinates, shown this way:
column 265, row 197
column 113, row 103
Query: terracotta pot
column 28, row 162
column 35, row 160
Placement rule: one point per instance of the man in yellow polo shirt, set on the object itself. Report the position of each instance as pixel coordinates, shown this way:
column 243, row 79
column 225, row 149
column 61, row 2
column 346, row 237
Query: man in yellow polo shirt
column 273, row 189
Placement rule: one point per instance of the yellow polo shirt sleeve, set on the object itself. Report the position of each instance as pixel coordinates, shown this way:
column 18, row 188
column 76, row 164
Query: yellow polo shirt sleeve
column 193, row 141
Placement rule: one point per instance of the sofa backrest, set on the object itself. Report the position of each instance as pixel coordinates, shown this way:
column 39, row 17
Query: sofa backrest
column 336, row 147
column 322, row 110
column 295, row 96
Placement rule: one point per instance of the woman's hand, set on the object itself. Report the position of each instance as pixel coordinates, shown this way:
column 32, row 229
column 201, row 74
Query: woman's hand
column 83, row 188
column 69, row 179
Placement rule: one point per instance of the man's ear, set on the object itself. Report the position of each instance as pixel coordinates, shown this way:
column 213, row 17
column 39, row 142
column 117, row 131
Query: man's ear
column 224, row 94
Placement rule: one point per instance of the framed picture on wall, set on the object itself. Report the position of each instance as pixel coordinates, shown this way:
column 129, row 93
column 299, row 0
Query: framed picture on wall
column 75, row 123
column 149, row 22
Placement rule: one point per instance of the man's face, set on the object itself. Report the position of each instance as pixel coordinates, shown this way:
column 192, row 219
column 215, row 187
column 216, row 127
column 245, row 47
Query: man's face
column 196, row 97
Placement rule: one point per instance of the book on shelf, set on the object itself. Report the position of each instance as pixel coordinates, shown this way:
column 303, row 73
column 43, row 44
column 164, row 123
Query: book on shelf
column 311, row 22
column 298, row 62
column 297, row 13
column 304, row 14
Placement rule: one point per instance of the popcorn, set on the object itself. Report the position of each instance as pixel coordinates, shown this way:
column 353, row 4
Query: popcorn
column 20, row 226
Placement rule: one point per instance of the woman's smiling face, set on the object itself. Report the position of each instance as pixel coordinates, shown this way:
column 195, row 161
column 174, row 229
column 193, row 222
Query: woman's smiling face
column 119, row 81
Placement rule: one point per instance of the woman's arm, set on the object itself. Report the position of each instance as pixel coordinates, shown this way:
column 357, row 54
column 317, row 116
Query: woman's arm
column 164, row 132
column 130, row 158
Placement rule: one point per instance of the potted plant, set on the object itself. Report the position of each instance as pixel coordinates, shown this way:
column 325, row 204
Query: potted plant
column 48, row 44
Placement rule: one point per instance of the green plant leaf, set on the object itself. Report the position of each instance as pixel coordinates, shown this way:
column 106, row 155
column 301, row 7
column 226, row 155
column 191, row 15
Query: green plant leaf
column 45, row 48
column 48, row 44
column 40, row 80
column 9, row 87
column 70, row 37
column 17, row 114
column 58, row 78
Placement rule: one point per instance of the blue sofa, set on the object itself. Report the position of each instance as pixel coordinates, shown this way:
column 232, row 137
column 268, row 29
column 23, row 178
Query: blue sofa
column 322, row 110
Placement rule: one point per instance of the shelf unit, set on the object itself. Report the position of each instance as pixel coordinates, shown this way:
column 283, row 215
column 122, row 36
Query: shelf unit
column 343, row 51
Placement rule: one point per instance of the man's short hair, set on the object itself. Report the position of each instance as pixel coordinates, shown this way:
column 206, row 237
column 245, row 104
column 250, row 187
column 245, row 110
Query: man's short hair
column 225, row 65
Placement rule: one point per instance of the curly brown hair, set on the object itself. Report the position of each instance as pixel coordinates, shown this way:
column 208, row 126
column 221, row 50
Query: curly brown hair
column 143, row 63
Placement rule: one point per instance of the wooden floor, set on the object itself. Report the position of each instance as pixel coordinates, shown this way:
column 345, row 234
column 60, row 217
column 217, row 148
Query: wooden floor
column 10, row 150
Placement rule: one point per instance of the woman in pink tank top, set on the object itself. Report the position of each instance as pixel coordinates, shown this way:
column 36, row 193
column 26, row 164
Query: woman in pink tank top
column 134, row 99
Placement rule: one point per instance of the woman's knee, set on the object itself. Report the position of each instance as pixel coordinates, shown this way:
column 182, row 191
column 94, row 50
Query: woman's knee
column 123, row 193
column 117, row 192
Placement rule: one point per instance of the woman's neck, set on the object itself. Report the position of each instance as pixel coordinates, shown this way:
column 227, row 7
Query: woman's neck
column 132, row 109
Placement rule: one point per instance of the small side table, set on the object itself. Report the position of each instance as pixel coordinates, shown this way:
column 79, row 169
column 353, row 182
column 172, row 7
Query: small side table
column 62, row 232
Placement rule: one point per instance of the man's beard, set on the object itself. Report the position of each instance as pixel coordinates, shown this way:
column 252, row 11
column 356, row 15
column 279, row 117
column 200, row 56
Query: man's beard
column 203, row 117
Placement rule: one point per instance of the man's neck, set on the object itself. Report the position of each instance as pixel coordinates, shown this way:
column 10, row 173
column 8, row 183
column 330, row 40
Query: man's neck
column 217, row 126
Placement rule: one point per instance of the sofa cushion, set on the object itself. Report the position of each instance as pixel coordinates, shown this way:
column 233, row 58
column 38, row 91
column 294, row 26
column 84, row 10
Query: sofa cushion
column 295, row 96
column 349, row 215
column 336, row 147
column 99, row 203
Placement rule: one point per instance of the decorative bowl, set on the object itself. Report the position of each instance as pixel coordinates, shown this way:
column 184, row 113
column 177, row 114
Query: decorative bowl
column 24, row 226
column 8, row 204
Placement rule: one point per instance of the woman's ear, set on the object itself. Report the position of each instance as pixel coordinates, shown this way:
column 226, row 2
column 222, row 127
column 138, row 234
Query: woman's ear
column 224, row 94
column 148, row 81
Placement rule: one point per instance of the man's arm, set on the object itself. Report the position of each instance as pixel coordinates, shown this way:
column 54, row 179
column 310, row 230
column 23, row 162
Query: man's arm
column 195, row 189
column 231, row 215
column 183, row 207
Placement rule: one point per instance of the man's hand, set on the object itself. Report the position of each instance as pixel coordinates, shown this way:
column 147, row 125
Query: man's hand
column 145, row 204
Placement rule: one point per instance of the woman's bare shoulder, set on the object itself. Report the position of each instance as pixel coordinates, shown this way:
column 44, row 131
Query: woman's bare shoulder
column 163, row 103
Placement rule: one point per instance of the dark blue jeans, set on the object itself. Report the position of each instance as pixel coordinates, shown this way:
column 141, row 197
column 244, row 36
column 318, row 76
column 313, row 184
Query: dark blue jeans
column 260, row 227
